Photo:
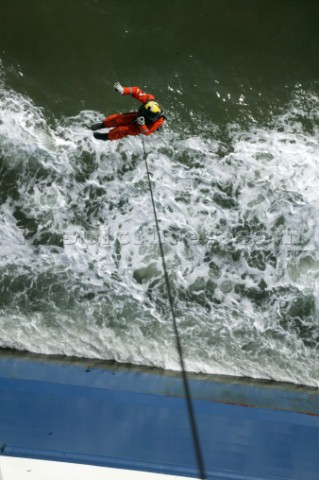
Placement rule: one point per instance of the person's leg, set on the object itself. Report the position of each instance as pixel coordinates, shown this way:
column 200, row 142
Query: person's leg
column 101, row 136
column 115, row 120
column 97, row 126
column 118, row 133
column 119, row 119
column 124, row 124
column 123, row 131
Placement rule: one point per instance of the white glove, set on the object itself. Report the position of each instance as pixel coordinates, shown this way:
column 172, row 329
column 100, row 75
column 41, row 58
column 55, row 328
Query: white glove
column 118, row 88
column 140, row 120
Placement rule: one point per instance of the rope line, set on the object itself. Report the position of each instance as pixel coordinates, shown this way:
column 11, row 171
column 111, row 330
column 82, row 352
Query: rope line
column 190, row 408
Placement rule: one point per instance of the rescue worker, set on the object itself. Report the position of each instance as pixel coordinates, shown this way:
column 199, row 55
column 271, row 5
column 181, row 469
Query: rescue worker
column 146, row 120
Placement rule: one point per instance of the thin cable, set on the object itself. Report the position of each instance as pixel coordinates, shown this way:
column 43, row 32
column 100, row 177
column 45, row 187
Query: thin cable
column 190, row 409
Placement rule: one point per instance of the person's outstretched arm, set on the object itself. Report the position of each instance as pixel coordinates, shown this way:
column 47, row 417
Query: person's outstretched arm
column 135, row 92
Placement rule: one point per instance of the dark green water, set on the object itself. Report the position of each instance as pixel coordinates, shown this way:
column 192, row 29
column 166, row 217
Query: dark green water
column 71, row 52
column 235, row 172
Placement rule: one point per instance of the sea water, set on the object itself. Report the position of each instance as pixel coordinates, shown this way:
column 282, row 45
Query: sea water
column 236, row 186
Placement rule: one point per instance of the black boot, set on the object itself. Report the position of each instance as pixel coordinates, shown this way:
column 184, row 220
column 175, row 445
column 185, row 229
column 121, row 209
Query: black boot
column 101, row 136
column 97, row 126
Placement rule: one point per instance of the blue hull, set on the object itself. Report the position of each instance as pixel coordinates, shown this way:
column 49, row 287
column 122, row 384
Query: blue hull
column 91, row 413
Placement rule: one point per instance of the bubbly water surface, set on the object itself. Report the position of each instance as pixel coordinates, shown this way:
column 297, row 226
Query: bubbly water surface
column 238, row 208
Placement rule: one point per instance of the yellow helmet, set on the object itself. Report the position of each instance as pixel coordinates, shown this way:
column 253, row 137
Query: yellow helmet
column 151, row 110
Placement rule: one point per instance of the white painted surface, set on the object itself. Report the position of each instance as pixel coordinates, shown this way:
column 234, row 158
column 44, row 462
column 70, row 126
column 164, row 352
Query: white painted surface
column 12, row 468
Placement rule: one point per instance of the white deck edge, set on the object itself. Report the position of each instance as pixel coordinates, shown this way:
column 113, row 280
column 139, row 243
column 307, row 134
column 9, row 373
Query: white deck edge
column 13, row 468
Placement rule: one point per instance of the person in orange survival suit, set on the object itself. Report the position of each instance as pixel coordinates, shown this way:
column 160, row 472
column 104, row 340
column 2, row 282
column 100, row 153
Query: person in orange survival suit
column 146, row 120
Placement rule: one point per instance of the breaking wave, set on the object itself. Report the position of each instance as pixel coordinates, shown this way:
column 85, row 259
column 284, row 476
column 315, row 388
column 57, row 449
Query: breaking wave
column 238, row 208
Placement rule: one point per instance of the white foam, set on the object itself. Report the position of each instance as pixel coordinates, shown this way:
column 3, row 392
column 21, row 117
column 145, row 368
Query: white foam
column 230, row 225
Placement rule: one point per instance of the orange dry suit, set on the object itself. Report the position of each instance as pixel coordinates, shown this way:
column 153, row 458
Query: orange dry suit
column 125, row 123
